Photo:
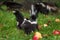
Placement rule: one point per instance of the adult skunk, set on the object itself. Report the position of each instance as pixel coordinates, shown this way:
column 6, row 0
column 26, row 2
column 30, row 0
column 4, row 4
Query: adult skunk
column 12, row 5
column 33, row 13
column 27, row 25
column 45, row 7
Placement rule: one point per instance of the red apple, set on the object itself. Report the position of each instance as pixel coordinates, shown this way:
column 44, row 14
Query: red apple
column 56, row 32
column 37, row 36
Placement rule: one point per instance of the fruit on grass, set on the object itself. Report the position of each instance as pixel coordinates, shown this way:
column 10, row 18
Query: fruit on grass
column 37, row 36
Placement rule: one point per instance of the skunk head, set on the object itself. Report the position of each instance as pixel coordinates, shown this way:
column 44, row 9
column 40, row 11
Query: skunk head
column 33, row 13
column 46, row 7
column 28, row 26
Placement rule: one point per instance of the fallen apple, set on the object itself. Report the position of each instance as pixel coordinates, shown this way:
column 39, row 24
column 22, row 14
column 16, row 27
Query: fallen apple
column 37, row 36
column 56, row 32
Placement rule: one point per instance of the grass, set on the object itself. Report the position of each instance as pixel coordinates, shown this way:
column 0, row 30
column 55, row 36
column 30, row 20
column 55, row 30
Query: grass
column 9, row 30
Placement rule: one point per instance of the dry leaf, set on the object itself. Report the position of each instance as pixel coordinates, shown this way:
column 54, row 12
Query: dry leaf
column 45, row 35
column 45, row 25
column 39, row 26
column 57, row 20
column 49, row 21
column 1, row 25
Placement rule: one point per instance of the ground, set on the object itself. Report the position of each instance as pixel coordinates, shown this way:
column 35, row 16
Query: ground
column 9, row 30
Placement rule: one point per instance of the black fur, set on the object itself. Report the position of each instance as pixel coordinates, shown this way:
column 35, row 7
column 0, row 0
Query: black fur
column 12, row 5
column 26, row 26
column 33, row 13
column 43, row 9
column 19, row 18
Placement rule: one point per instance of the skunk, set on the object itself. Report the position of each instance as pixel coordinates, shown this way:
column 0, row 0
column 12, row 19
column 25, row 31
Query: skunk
column 45, row 7
column 27, row 25
column 33, row 13
column 12, row 5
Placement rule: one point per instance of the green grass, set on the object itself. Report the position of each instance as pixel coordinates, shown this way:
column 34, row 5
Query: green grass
column 9, row 30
